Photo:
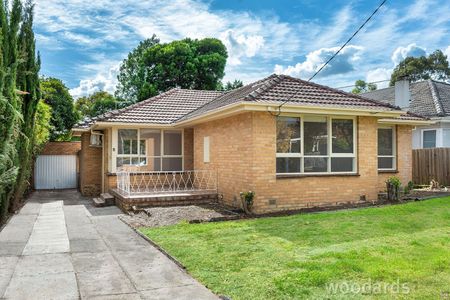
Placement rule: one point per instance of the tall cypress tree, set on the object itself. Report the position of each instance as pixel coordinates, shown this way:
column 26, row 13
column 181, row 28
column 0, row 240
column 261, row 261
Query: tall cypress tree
column 10, row 103
column 28, row 82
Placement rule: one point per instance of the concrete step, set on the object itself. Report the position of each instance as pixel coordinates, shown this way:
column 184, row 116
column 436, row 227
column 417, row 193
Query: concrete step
column 98, row 202
column 107, row 198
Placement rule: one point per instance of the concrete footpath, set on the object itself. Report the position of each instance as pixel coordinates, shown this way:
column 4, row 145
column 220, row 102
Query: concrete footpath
column 61, row 247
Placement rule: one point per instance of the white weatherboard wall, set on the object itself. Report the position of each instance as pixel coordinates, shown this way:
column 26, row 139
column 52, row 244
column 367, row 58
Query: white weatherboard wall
column 55, row 172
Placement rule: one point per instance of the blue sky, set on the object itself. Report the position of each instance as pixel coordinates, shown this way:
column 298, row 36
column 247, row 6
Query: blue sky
column 83, row 42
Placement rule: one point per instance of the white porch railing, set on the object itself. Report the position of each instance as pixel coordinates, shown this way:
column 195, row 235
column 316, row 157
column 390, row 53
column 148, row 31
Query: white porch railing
column 162, row 182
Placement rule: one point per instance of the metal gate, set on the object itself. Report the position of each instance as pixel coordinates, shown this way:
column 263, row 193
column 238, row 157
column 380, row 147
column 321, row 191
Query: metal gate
column 55, row 172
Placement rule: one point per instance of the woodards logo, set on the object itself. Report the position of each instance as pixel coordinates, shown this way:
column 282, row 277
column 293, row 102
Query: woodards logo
column 368, row 288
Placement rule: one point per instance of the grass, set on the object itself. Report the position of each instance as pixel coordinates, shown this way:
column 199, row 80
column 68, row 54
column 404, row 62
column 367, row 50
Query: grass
column 300, row 256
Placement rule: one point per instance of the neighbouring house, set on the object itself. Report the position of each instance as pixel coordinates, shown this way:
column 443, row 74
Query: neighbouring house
column 294, row 143
column 427, row 98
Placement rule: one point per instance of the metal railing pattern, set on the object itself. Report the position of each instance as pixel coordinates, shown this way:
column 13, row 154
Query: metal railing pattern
column 163, row 182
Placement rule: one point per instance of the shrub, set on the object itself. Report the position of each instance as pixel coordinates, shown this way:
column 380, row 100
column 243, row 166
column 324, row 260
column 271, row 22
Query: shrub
column 393, row 187
column 247, row 200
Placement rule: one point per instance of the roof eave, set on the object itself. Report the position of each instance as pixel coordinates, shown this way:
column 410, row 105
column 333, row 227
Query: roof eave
column 406, row 122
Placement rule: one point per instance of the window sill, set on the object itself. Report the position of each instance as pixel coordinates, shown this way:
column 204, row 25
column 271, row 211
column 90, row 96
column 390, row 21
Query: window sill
column 287, row 176
column 387, row 171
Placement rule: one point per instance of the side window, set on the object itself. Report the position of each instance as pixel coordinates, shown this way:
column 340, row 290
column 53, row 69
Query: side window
column 429, row 138
column 386, row 148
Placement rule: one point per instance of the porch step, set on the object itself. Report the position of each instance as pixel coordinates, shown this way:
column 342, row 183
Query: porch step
column 107, row 198
column 98, row 202
column 127, row 203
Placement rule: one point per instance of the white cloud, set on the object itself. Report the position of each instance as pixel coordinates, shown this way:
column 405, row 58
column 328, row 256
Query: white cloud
column 447, row 53
column 343, row 63
column 242, row 45
column 403, row 52
column 101, row 82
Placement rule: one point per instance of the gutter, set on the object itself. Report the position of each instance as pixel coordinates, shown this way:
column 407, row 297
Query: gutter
column 406, row 122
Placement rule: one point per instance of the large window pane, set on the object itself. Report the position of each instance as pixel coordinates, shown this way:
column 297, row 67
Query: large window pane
column 172, row 164
column 150, row 142
column 342, row 164
column 429, row 138
column 385, row 141
column 342, row 133
column 127, row 141
column 288, row 165
column 315, row 164
column 172, row 142
column 288, row 135
column 315, row 135
column 385, row 162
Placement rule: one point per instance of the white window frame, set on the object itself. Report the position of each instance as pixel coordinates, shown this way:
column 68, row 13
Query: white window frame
column 115, row 146
column 330, row 154
column 394, row 148
column 436, row 130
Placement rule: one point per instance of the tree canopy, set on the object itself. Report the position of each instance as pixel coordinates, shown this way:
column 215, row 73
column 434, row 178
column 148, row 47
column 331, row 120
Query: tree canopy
column 231, row 85
column 64, row 116
column 152, row 67
column 96, row 104
column 434, row 66
column 361, row 87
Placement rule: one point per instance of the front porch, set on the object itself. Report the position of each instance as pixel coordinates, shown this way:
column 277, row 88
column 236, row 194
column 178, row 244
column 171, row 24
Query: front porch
column 164, row 188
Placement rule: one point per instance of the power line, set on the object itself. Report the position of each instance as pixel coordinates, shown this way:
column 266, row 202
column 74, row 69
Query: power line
column 348, row 41
column 349, row 86
column 337, row 52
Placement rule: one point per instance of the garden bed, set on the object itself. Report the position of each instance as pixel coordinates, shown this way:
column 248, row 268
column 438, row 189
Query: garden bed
column 163, row 216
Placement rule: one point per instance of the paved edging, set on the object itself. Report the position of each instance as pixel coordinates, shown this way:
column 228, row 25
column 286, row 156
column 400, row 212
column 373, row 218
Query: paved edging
column 154, row 244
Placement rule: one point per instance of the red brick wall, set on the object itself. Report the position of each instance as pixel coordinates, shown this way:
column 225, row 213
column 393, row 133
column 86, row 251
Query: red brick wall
column 90, row 167
column 61, row 148
column 242, row 150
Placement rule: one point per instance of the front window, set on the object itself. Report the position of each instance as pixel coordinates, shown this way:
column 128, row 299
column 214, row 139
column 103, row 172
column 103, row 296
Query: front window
column 429, row 138
column 315, row 144
column 386, row 148
column 149, row 149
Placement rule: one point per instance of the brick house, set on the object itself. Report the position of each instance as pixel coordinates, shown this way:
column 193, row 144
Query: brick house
column 294, row 143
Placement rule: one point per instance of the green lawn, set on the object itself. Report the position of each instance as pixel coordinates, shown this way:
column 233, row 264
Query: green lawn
column 300, row 256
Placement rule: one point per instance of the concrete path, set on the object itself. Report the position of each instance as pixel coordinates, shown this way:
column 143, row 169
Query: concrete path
column 61, row 247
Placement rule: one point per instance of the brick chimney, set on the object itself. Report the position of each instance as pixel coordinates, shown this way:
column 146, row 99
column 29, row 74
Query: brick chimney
column 402, row 93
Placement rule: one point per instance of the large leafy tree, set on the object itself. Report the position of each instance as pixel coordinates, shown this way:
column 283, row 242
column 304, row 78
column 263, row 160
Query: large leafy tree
column 132, row 73
column 361, row 87
column 96, row 104
column 64, row 116
column 434, row 66
column 153, row 67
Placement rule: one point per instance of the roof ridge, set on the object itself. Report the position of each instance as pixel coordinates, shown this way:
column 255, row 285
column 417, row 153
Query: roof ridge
column 435, row 96
column 268, row 84
column 225, row 93
column 134, row 105
column 343, row 92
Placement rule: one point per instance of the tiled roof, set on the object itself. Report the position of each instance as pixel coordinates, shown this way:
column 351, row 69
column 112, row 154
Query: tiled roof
column 279, row 88
column 178, row 104
column 428, row 98
column 161, row 109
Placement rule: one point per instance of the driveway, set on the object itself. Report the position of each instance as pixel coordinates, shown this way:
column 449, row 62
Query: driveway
column 61, row 247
